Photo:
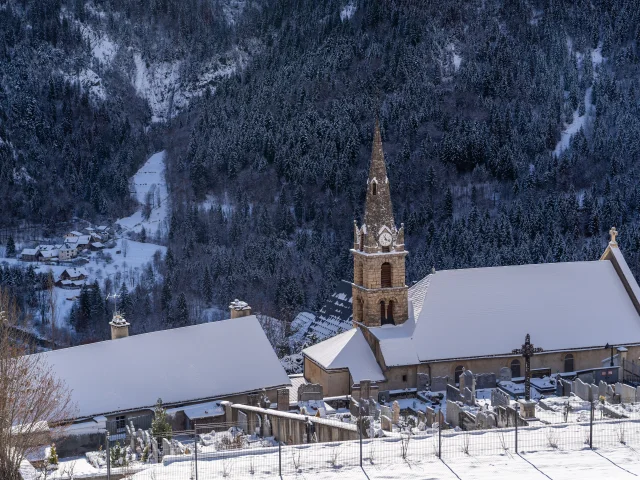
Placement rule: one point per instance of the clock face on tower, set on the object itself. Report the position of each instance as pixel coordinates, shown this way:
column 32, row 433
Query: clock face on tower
column 385, row 239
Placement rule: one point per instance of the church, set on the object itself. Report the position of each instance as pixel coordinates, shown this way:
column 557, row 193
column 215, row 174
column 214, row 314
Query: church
column 473, row 318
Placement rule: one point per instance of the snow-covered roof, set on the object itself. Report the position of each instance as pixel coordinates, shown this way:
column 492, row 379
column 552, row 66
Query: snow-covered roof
column 207, row 361
column 102, row 228
column 84, row 239
column 49, row 253
column 74, row 272
column 562, row 306
column 76, row 233
column 199, row 410
column 30, row 251
column 98, row 245
column 296, row 381
column 348, row 350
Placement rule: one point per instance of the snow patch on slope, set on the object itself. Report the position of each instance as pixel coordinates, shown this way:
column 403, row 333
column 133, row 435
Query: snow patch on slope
column 166, row 88
column 149, row 185
column 90, row 82
column 347, row 12
column 579, row 121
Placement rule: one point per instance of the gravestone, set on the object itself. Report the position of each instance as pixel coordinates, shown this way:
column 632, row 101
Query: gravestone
column 505, row 374
column 638, row 394
column 283, row 399
column 166, row 447
column 365, row 389
column 602, row 389
column 364, row 407
column 559, row 388
column 385, row 411
column 595, row 393
column 375, row 410
column 431, row 416
column 310, row 391
column 266, row 426
column 395, row 410
column 423, row 381
column 384, row 396
column 453, row 413
column 485, row 380
column 610, row 393
column 354, row 407
column 242, row 422
column 439, row 384
column 581, row 389
column 422, row 419
column 253, row 399
column 567, row 387
column 499, row 398
column 453, row 394
column 627, row 393
column 467, row 380
column 469, row 396
column 264, row 401
column 386, row 423
column 154, row 450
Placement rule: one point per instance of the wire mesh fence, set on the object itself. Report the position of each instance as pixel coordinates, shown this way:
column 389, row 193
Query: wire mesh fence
column 223, row 451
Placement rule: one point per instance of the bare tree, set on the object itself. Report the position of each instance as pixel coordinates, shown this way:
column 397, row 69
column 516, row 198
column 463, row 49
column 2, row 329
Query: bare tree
column 53, row 307
column 31, row 399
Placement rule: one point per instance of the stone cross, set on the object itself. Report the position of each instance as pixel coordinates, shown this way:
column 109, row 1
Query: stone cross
column 527, row 351
column 613, row 233
column 396, row 412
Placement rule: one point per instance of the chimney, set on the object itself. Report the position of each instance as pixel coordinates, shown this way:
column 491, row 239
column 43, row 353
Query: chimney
column 239, row 309
column 119, row 327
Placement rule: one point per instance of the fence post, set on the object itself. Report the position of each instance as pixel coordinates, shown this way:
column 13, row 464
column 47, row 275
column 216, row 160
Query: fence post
column 108, row 452
column 591, row 424
column 279, row 449
column 440, row 433
column 360, row 430
column 516, row 418
column 195, row 447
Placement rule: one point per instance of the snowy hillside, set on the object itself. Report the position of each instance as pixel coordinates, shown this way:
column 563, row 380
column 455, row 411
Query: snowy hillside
column 149, row 188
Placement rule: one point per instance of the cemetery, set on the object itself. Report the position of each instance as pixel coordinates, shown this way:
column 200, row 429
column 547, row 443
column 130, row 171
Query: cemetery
column 477, row 402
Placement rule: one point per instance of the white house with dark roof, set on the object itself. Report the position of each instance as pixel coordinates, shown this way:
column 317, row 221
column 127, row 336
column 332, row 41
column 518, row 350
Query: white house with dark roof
column 471, row 318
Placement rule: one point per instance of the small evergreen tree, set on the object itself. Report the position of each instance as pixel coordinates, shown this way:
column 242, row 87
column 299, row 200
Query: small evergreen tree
column 11, row 247
column 160, row 426
column 53, row 455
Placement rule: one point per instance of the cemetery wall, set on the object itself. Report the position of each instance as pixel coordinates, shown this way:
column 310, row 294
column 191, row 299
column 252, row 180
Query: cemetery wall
column 582, row 359
column 394, row 377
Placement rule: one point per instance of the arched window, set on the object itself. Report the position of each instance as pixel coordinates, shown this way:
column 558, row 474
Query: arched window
column 392, row 304
column 362, row 241
column 456, row 374
column 515, row 368
column 568, row 363
column 382, row 313
column 385, row 275
column 374, row 188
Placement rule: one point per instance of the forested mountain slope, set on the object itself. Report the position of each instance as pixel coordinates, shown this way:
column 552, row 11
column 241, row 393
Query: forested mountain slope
column 269, row 145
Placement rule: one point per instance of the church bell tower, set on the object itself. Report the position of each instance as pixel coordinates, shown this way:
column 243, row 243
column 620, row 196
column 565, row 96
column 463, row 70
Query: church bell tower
column 379, row 289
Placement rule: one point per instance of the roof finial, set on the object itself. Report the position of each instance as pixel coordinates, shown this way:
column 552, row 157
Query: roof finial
column 613, row 233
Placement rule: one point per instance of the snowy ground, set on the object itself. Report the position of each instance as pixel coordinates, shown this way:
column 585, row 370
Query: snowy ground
column 149, row 184
column 470, row 455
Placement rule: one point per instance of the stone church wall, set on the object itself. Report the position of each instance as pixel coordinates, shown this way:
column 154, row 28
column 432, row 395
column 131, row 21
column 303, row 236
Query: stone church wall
column 334, row 383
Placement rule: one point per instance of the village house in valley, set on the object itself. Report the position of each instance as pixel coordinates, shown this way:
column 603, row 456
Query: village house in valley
column 469, row 318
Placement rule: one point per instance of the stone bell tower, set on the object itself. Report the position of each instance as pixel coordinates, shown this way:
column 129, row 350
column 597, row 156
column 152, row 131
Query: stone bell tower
column 379, row 289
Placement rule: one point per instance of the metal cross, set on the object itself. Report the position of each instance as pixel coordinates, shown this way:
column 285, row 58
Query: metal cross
column 527, row 351
column 115, row 297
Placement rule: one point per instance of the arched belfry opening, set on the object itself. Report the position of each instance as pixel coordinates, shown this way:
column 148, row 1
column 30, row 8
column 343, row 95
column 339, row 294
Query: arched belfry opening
column 385, row 275
column 390, row 308
column 374, row 188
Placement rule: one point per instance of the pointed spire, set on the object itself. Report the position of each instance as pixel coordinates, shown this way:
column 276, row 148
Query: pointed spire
column 378, row 208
